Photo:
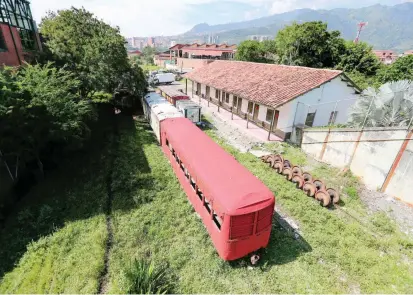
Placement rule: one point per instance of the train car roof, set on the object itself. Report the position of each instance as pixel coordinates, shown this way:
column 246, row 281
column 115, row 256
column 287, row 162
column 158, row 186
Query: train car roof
column 225, row 181
column 161, row 107
column 154, row 98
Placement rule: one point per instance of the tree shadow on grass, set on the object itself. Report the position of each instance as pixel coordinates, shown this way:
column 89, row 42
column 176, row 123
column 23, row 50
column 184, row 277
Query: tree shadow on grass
column 285, row 245
column 76, row 190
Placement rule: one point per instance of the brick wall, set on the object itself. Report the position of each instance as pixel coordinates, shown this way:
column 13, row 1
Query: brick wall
column 9, row 57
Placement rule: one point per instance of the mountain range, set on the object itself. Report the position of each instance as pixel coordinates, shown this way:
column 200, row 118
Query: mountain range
column 389, row 27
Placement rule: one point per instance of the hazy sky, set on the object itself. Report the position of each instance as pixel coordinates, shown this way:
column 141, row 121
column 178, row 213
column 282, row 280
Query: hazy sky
column 171, row 17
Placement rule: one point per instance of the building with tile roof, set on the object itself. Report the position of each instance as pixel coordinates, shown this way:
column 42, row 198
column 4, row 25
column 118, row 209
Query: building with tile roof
column 276, row 97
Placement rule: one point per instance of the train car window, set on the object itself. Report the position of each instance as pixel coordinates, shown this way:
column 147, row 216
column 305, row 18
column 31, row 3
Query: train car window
column 167, row 142
column 182, row 166
column 207, row 205
column 217, row 220
column 192, row 182
column 173, row 153
column 187, row 174
column 199, row 194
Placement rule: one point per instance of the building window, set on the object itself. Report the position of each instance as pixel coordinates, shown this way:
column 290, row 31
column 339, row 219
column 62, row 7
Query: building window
column 250, row 106
column 227, row 97
column 270, row 115
column 217, row 93
column 235, row 101
column 3, row 46
column 333, row 117
column 27, row 39
column 309, row 121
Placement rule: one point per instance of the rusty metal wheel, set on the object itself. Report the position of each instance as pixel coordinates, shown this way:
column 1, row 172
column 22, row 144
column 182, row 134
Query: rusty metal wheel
column 297, row 170
column 334, row 196
column 323, row 197
column 287, row 164
column 278, row 167
column 319, row 185
column 288, row 173
column 307, row 177
column 278, row 158
column 298, row 180
column 309, row 188
column 265, row 158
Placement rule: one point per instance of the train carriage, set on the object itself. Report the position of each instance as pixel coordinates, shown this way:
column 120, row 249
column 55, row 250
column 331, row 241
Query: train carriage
column 156, row 109
column 172, row 94
column 235, row 206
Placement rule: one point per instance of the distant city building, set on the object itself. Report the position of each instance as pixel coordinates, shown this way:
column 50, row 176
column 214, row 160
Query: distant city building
column 197, row 55
column 151, row 42
column 259, row 38
column 134, row 53
column 386, row 56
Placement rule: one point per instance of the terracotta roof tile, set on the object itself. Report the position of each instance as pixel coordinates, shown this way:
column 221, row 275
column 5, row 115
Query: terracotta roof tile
column 267, row 84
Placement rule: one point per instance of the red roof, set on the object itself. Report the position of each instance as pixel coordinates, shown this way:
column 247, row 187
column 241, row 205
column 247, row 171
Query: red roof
column 204, row 46
column 173, row 92
column 267, row 84
column 223, row 180
column 135, row 52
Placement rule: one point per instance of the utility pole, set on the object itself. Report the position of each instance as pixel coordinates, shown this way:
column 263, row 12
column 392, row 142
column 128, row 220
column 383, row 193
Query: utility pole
column 360, row 25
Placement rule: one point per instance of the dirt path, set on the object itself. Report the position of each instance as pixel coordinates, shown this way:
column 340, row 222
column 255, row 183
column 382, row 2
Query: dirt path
column 104, row 279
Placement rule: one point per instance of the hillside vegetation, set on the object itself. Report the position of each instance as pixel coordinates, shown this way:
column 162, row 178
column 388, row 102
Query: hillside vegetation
column 390, row 27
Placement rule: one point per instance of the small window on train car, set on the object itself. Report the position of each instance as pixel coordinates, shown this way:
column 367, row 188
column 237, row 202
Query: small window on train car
column 207, row 205
column 192, row 182
column 199, row 194
column 187, row 174
column 167, row 142
column 173, row 153
column 217, row 220
column 182, row 166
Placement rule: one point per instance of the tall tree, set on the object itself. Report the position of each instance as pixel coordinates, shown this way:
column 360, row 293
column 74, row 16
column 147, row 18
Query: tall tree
column 39, row 105
column 251, row 50
column 401, row 69
column 309, row 44
column 148, row 53
column 359, row 57
column 88, row 47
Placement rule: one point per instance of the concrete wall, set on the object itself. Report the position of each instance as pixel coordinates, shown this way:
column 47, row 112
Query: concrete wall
column 192, row 62
column 369, row 153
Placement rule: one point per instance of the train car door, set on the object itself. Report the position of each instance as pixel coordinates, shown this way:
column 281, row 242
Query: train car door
column 256, row 110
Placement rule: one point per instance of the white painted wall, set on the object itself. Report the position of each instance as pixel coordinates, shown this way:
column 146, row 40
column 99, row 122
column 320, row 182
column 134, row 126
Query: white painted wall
column 322, row 101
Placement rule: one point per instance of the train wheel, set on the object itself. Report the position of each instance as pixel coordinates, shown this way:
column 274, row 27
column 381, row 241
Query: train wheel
column 307, row 177
column 298, row 180
column 297, row 170
column 335, row 197
column 319, row 185
column 287, row 164
column 278, row 167
column 323, row 197
column 254, row 259
column 265, row 158
column 288, row 173
column 309, row 188
column 279, row 158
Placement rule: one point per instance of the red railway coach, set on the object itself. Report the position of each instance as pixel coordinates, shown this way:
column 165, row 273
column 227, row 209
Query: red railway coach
column 235, row 206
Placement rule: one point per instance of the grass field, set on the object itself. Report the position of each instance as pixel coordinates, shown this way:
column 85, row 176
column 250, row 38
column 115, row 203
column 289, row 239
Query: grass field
column 153, row 221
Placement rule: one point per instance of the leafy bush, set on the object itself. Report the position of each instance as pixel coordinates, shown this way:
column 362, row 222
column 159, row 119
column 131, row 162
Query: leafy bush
column 147, row 278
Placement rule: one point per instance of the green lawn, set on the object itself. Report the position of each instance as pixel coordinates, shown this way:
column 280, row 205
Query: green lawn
column 152, row 220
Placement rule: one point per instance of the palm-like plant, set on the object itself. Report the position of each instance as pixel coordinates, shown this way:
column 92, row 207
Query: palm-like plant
column 390, row 105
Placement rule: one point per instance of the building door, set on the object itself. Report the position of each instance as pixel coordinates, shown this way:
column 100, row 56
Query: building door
column 256, row 110
column 274, row 125
column 198, row 89
column 239, row 105
column 207, row 94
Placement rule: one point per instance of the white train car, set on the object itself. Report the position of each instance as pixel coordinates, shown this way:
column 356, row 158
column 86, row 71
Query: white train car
column 156, row 109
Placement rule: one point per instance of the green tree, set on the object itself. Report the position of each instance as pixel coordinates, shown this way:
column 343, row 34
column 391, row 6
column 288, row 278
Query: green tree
column 88, row 47
column 390, row 105
column 148, row 53
column 359, row 57
column 401, row 69
column 39, row 105
column 309, row 44
column 251, row 50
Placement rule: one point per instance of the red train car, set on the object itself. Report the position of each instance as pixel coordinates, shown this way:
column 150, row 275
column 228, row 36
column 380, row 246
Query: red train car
column 235, row 206
column 172, row 94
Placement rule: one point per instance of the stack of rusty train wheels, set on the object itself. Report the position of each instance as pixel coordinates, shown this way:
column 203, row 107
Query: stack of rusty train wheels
column 303, row 180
